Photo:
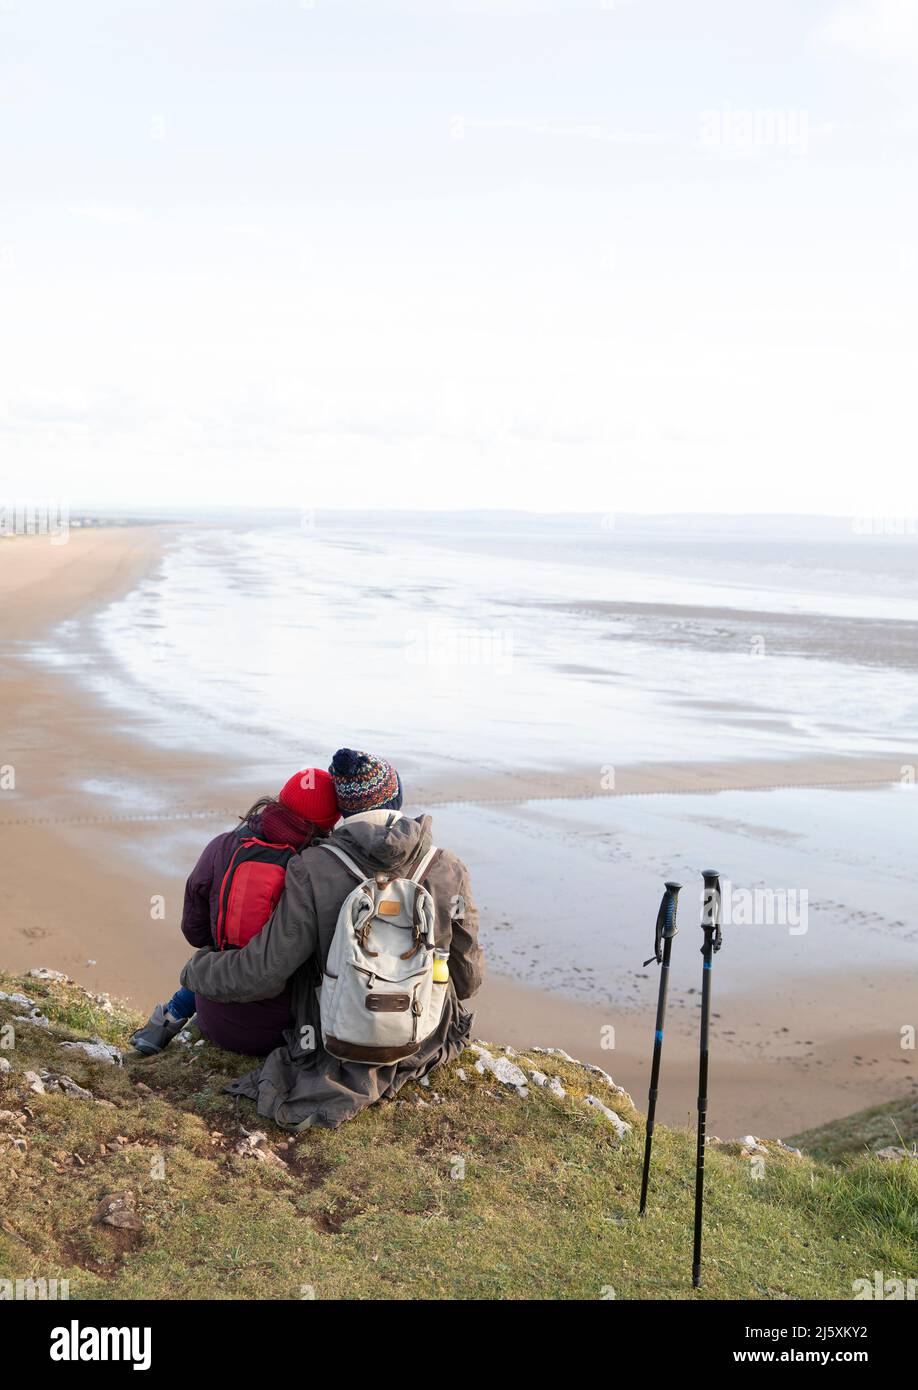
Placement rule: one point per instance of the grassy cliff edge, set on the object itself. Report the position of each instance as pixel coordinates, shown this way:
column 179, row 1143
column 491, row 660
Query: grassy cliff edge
column 145, row 1181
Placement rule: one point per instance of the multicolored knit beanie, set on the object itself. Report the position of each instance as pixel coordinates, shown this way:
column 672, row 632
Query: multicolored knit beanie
column 364, row 783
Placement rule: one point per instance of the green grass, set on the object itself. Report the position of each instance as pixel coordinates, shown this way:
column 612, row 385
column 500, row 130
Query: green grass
column 892, row 1125
column 546, row 1208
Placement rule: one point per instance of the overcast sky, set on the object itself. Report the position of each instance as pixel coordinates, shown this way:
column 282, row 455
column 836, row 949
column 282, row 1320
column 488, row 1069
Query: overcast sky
column 634, row 255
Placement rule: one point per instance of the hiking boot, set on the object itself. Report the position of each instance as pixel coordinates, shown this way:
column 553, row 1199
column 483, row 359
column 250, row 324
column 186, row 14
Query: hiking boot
column 158, row 1032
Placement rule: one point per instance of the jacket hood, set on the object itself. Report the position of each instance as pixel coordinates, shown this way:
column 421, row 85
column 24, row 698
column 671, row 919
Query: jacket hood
column 390, row 846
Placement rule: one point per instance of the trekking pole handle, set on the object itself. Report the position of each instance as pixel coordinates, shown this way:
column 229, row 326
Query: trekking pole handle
column 710, row 913
column 666, row 927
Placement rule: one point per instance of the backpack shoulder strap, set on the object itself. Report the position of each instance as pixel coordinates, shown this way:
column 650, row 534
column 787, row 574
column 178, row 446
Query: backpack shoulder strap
column 362, row 876
column 346, row 861
column 424, row 865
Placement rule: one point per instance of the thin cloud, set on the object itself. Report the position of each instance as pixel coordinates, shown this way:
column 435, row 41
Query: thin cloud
column 106, row 212
column 883, row 29
column 460, row 124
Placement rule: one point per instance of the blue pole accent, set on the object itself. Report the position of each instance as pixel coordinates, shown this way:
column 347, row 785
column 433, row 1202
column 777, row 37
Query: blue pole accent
column 659, row 1035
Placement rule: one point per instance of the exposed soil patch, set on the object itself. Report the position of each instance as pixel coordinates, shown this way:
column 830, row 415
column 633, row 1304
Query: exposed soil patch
column 309, row 1170
column 120, row 1243
column 331, row 1222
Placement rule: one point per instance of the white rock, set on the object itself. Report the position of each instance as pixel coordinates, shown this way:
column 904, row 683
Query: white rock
column 508, row 1073
column 598, row 1071
column 21, row 1000
column 34, row 1082
column 620, row 1126
column 502, row 1068
column 65, row 1084
column 460, row 1072
column 98, row 1050
column 255, row 1145
column 34, row 1017
column 891, row 1154
column 548, row 1083
column 42, row 974
column 70, row 1087
column 587, row 1066
column 4, row 1065
column 425, row 1080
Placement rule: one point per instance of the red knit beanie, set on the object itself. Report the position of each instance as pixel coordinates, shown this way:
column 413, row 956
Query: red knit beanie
column 310, row 794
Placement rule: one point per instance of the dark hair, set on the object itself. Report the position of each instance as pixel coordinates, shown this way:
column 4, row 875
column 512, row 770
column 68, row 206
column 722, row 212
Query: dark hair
column 295, row 830
column 260, row 805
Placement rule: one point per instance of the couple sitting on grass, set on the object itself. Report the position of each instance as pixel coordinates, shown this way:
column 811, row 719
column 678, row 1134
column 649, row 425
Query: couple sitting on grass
column 339, row 956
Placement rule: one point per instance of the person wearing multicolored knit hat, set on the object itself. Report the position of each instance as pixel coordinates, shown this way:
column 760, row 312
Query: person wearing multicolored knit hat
column 303, row 1084
column 364, row 783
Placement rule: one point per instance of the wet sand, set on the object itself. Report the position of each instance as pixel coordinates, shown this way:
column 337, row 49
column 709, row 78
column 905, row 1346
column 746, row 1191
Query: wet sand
column 779, row 1064
column 101, row 823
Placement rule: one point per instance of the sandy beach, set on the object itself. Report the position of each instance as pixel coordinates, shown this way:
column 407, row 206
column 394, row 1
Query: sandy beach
column 103, row 821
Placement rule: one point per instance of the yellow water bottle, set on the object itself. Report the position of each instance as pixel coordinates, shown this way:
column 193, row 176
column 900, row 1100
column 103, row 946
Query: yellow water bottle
column 441, row 967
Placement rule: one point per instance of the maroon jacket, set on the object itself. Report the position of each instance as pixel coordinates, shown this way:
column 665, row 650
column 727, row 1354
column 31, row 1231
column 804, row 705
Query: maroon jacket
column 253, row 1028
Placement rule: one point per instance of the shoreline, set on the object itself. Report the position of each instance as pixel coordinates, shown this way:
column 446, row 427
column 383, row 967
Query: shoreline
column 82, row 867
column 763, row 1081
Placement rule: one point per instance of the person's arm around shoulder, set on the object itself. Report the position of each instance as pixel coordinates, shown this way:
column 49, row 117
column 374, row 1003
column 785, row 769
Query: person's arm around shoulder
column 466, row 961
column 261, row 969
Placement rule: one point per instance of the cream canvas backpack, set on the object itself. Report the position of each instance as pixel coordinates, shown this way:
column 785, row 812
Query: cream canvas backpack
column 378, row 999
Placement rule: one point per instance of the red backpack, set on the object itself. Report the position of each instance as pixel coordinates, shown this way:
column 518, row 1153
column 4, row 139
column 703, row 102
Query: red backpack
column 250, row 890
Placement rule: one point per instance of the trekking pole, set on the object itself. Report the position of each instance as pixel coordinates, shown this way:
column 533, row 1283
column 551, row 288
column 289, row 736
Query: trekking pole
column 663, row 943
column 710, row 925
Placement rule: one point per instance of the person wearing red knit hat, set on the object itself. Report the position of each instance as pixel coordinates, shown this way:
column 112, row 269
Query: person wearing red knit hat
column 239, row 873
column 310, row 796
